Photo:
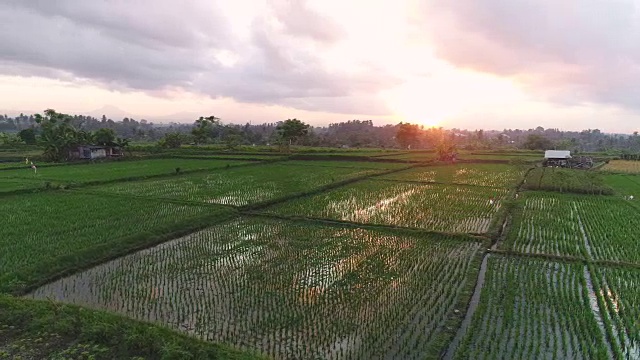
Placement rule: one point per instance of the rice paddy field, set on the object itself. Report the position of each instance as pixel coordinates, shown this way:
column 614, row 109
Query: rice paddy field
column 238, row 187
column 433, row 207
column 589, row 227
column 108, row 171
column 491, row 175
column 89, row 223
column 533, row 309
column 622, row 166
column 624, row 185
column 321, row 259
column 412, row 156
column 567, row 181
column 619, row 292
column 290, row 290
column 349, row 164
column 11, row 185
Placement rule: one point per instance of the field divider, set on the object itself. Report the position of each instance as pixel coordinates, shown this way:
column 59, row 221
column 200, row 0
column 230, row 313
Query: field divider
column 153, row 198
column 550, row 257
column 88, row 258
column 162, row 175
column 343, row 223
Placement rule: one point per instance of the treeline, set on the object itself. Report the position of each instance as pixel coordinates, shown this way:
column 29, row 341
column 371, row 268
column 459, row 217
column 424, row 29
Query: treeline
column 352, row 133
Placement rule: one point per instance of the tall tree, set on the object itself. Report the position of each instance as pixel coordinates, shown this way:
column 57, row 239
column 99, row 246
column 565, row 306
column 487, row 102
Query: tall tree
column 407, row 135
column 537, row 142
column 290, row 130
column 172, row 140
column 58, row 136
column 28, row 136
column 203, row 127
column 105, row 136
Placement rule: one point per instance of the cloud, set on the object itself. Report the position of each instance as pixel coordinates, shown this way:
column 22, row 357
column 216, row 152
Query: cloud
column 151, row 45
column 565, row 51
column 298, row 18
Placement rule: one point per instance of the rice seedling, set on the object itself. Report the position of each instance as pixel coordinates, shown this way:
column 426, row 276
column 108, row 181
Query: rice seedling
column 115, row 170
column 492, row 175
column 241, row 186
column 594, row 228
column 567, row 180
column 45, row 233
column 288, row 290
column 426, row 206
column 533, row 309
column 619, row 295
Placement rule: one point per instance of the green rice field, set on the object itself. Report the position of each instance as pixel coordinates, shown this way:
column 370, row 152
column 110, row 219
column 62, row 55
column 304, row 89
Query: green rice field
column 533, row 309
column 591, row 227
column 491, row 175
column 318, row 259
column 241, row 186
column 427, row 206
column 289, row 290
column 619, row 293
column 108, row 171
column 56, row 227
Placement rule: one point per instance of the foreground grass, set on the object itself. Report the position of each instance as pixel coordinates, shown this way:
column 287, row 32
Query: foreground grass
column 45, row 330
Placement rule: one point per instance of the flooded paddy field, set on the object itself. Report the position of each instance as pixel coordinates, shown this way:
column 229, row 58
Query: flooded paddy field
column 491, row 175
column 288, row 290
column 618, row 290
column 446, row 208
column 601, row 228
column 533, row 309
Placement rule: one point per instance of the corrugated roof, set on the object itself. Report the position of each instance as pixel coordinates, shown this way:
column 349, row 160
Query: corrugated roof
column 557, row 154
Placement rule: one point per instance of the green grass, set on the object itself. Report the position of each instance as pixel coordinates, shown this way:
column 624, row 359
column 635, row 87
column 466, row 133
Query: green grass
column 240, row 186
column 46, row 234
column 12, row 164
column 533, row 309
column 289, row 290
column 427, row 206
column 114, row 170
column 11, row 185
column 567, row 180
column 46, row 330
column 492, row 175
column 624, row 184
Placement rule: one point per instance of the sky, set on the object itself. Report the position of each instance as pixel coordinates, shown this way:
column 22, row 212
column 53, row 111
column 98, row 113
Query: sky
column 490, row 64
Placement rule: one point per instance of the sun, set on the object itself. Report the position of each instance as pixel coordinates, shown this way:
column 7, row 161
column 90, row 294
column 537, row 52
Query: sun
column 442, row 96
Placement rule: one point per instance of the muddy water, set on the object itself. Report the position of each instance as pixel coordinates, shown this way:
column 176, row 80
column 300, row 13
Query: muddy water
column 473, row 304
